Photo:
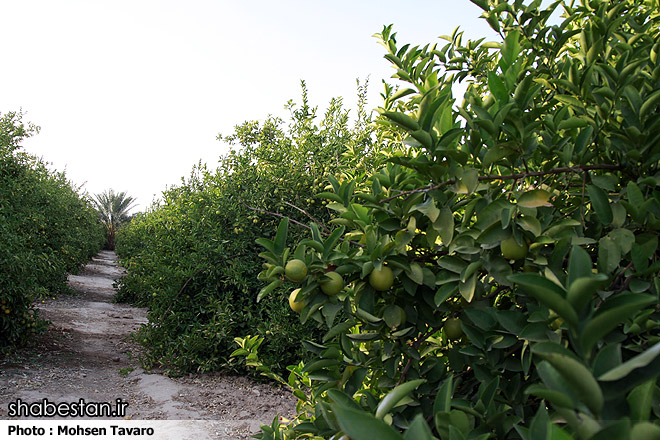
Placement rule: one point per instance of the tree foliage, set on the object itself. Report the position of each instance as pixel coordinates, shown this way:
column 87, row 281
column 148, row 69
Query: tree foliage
column 192, row 259
column 528, row 212
column 47, row 230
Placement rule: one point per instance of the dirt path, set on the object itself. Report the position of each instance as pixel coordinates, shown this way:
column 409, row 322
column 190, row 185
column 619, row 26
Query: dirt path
column 85, row 354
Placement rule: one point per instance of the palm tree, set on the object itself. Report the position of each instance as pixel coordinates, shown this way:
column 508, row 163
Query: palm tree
column 113, row 210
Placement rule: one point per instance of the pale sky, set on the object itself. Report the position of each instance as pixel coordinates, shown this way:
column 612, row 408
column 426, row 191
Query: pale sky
column 130, row 94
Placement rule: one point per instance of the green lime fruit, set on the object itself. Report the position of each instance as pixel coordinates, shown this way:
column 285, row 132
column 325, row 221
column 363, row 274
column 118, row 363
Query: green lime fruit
column 332, row 283
column 453, row 329
column 511, row 250
column 295, row 306
column 556, row 323
column 382, row 279
column 295, row 270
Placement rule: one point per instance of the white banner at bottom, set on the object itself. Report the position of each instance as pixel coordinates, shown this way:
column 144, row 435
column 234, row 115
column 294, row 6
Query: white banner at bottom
column 112, row 429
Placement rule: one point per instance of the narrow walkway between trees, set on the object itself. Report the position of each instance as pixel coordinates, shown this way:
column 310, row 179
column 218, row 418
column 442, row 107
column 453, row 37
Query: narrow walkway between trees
column 85, row 354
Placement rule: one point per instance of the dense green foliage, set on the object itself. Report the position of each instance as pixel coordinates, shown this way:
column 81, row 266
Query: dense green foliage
column 47, row 230
column 192, row 258
column 521, row 227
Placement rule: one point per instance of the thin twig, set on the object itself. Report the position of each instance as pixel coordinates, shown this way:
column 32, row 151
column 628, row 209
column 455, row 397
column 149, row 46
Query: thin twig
column 277, row 215
column 308, row 215
column 416, row 345
column 296, row 222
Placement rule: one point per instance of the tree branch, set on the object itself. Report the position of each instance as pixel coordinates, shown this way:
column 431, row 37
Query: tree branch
column 308, row 215
column 562, row 170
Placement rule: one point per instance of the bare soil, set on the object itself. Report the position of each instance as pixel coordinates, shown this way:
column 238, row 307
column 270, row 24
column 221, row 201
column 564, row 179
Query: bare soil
column 86, row 353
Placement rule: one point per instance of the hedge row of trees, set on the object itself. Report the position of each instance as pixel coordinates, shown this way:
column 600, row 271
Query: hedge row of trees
column 192, row 259
column 47, row 230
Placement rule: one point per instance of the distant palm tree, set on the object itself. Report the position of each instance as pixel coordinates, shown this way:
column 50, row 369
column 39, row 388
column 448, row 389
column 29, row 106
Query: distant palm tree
column 113, row 211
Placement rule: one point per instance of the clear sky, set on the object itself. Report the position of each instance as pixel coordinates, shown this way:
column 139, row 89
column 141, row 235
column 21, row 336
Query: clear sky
column 130, row 94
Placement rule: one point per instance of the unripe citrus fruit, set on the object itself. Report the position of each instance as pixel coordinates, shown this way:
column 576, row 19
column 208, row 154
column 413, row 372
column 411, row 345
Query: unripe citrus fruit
column 453, row 329
column 511, row 250
column 332, row 283
column 295, row 270
column 556, row 323
column 295, row 306
column 382, row 279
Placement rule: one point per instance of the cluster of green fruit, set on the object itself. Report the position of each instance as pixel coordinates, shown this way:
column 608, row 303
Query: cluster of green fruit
column 331, row 283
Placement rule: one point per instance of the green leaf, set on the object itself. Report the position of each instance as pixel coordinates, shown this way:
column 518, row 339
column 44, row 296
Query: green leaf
column 415, row 273
column 318, row 247
column 557, row 398
column 623, row 238
column 555, row 382
column 445, row 225
column 569, row 100
column 467, row 288
column 548, row 293
column 635, row 196
column 394, row 397
column 582, row 290
column 530, row 224
column 330, row 196
column 443, row 398
column 558, row 433
column 640, row 400
column 429, row 209
column 331, row 241
column 269, row 288
column 534, row 199
column 470, row 270
column 338, row 329
column 612, row 313
column 644, row 431
column 650, row 104
column 579, row 265
column 268, row 244
column 470, row 179
column 609, row 255
column 452, row 264
column 577, row 375
column 607, row 358
column 444, row 292
column 418, row 430
column 601, row 204
column 393, row 315
column 402, row 120
column 280, row 237
column 511, row 47
column 572, row 122
column 639, row 361
column 540, row 426
column 359, row 425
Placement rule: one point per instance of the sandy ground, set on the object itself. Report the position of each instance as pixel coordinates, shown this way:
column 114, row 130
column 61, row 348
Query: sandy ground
column 86, row 354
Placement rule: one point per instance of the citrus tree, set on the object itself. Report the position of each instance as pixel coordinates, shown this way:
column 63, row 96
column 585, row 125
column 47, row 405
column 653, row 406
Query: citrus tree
column 47, row 230
column 191, row 258
column 500, row 272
